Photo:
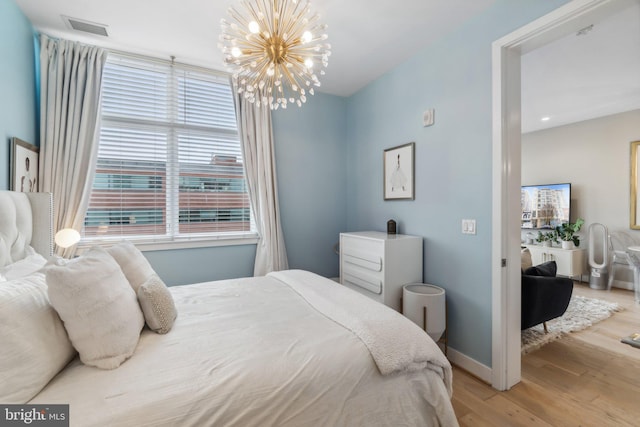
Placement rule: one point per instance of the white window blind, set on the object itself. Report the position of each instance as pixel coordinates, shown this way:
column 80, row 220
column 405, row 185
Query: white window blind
column 169, row 159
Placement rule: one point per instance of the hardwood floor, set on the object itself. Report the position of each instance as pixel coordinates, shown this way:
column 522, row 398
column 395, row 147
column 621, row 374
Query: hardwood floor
column 586, row 379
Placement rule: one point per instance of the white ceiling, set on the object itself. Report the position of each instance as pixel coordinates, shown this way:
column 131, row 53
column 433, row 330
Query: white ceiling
column 368, row 38
column 581, row 77
column 573, row 79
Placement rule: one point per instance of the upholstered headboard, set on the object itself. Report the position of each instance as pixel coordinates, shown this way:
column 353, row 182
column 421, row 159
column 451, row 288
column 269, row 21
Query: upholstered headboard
column 25, row 219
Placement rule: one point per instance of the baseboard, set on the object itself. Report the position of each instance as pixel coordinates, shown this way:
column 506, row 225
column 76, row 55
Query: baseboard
column 470, row 365
column 622, row 285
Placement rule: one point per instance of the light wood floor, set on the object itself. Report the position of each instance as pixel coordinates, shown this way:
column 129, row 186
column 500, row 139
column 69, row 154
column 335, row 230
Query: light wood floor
column 587, row 379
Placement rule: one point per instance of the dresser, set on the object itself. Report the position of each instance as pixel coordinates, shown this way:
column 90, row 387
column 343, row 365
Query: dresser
column 378, row 265
column 570, row 262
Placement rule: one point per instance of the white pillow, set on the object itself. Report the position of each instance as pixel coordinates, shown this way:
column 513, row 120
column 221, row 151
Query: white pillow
column 525, row 259
column 133, row 263
column 99, row 309
column 157, row 305
column 24, row 267
column 34, row 345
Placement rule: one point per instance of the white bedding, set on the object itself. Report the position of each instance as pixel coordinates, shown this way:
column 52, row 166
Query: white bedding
column 249, row 352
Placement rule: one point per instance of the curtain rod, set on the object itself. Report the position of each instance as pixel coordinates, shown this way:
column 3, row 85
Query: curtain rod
column 170, row 61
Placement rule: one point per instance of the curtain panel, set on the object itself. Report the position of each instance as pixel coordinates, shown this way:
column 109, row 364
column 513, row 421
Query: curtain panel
column 256, row 137
column 70, row 79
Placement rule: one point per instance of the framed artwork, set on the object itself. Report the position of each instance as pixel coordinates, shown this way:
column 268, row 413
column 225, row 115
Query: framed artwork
column 399, row 172
column 24, row 166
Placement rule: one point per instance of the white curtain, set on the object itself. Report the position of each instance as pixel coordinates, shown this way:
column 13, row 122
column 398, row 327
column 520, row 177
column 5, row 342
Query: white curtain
column 70, row 78
column 256, row 138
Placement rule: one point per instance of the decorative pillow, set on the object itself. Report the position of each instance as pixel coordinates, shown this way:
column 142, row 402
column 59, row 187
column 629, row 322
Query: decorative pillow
column 546, row 269
column 132, row 262
column 157, row 305
column 24, row 267
column 34, row 345
column 525, row 259
column 99, row 309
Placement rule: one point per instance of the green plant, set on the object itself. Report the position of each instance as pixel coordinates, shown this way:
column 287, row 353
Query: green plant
column 566, row 231
column 549, row 236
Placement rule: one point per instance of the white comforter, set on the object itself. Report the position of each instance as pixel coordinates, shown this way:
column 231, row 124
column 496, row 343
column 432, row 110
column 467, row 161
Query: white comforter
column 253, row 352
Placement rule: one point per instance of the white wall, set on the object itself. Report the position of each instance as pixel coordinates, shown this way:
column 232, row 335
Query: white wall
column 594, row 156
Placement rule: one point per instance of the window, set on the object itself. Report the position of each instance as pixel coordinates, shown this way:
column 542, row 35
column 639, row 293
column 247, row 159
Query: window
column 169, row 162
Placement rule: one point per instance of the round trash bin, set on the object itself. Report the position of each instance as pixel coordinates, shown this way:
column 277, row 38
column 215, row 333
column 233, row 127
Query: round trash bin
column 425, row 306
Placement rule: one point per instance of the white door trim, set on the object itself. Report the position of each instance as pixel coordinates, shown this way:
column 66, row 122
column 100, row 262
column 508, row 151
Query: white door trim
column 506, row 53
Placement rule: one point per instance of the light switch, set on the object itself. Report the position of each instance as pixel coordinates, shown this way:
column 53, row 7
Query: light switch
column 468, row 226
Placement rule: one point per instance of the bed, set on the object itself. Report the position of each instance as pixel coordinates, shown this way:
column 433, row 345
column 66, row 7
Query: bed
column 287, row 349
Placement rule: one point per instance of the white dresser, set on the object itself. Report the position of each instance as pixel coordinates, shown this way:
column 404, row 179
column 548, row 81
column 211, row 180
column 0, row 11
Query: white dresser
column 570, row 262
column 378, row 264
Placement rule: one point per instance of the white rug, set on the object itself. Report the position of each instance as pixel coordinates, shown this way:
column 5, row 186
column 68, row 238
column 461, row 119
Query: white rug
column 582, row 313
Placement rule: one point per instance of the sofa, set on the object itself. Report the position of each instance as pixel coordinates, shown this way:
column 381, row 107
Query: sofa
column 544, row 296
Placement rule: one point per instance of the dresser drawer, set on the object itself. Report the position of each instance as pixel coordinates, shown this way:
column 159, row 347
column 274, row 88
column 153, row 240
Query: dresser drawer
column 365, row 253
column 364, row 260
column 355, row 277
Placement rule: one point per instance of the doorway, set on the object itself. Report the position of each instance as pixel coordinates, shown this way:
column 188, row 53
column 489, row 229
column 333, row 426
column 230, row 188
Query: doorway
column 507, row 53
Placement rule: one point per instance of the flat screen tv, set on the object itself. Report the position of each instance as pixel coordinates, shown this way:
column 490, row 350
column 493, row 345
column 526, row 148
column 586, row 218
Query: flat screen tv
column 545, row 206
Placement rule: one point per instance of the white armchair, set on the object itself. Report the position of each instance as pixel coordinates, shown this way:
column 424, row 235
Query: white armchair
column 622, row 258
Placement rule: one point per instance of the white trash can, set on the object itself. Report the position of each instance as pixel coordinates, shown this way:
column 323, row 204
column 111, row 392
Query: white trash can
column 425, row 305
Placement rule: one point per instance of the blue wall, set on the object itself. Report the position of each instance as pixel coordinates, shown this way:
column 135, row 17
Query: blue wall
column 194, row 265
column 453, row 161
column 17, row 83
column 312, row 174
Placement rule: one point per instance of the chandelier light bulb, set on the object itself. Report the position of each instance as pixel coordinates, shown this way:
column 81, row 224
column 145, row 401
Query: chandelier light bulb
column 254, row 27
column 271, row 46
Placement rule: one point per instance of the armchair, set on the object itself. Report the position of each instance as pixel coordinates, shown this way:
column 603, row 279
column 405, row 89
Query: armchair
column 544, row 296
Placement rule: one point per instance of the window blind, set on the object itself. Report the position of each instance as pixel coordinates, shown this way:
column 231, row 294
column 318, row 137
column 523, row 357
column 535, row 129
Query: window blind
column 169, row 160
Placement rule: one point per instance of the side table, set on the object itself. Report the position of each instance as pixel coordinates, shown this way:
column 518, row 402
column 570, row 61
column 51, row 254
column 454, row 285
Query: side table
column 426, row 306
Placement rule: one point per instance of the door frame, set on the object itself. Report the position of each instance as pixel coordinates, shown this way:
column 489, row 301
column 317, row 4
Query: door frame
column 506, row 178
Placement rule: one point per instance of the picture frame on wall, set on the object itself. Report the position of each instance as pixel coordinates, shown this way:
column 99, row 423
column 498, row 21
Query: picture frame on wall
column 24, row 166
column 399, row 172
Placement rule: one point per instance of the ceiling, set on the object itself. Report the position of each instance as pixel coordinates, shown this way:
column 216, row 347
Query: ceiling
column 572, row 79
column 368, row 38
column 581, row 77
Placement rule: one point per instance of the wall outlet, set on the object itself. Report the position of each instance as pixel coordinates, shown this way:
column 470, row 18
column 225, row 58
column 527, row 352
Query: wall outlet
column 468, row 226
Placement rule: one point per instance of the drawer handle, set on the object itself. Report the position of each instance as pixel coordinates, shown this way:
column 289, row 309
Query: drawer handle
column 369, row 264
column 372, row 287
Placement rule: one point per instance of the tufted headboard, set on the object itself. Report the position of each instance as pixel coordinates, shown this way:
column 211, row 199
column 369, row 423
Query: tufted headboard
column 25, row 219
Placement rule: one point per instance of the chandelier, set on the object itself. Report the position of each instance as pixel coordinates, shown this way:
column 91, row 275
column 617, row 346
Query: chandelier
column 275, row 50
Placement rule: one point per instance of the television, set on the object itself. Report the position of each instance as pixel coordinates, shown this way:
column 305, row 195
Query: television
column 545, row 206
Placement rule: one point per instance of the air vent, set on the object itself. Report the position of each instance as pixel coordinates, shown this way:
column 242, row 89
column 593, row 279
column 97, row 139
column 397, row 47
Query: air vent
column 85, row 26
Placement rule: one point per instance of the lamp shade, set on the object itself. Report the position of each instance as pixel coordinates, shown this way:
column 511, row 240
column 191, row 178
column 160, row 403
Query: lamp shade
column 425, row 306
column 67, row 237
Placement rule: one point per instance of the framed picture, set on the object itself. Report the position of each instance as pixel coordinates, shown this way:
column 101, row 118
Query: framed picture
column 399, row 175
column 24, row 166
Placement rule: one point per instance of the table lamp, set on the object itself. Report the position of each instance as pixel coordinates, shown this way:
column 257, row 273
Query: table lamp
column 67, row 237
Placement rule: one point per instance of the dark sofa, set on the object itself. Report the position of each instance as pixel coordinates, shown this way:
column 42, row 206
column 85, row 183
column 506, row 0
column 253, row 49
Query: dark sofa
column 544, row 296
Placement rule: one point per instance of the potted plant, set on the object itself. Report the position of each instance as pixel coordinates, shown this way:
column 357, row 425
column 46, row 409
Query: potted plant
column 546, row 239
column 566, row 232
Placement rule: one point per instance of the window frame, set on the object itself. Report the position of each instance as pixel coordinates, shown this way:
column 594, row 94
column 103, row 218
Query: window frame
column 172, row 239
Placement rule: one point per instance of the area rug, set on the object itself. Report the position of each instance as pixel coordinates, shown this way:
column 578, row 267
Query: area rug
column 582, row 313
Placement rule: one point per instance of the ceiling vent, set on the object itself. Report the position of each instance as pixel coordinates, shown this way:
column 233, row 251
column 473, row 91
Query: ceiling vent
column 85, row 26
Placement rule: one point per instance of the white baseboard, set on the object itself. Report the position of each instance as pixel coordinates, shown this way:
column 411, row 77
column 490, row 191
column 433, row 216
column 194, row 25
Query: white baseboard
column 622, row 285
column 470, row 365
